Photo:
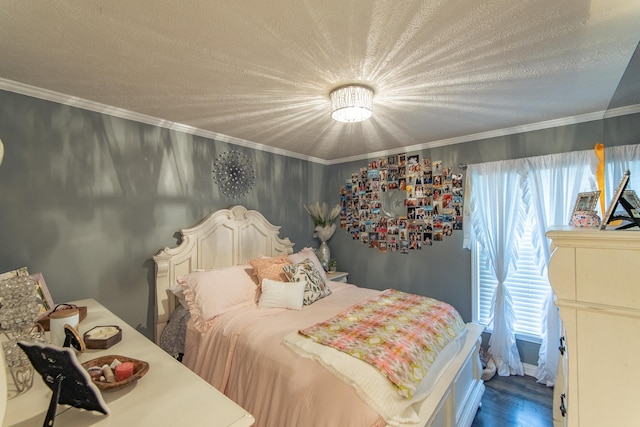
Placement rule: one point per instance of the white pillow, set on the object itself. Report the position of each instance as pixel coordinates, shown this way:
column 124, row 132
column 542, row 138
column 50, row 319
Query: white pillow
column 277, row 294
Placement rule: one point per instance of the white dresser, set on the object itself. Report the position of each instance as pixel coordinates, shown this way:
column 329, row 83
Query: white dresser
column 168, row 395
column 596, row 278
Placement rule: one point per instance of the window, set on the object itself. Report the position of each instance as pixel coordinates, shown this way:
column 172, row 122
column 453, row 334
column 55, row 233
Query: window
column 512, row 203
column 552, row 184
column 528, row 286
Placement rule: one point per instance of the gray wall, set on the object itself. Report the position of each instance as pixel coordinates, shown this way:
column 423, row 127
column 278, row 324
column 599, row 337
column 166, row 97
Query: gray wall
column 88, row 198
column 443, row 270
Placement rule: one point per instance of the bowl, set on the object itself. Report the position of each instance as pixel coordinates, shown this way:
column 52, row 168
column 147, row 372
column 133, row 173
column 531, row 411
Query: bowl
column 140, row 368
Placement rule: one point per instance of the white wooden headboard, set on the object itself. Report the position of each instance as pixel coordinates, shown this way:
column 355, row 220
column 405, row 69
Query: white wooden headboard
column 224, row 238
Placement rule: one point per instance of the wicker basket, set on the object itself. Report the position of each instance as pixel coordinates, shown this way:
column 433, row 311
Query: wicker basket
column 139, row 369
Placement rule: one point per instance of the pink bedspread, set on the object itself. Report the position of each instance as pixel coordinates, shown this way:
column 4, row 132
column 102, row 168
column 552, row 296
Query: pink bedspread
column 243, row 356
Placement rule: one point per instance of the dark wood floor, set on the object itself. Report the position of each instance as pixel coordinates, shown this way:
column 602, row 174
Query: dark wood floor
column 515, row 401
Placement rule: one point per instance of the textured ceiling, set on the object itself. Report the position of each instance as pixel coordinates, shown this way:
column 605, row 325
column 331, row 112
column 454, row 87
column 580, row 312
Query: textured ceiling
column 261, row 71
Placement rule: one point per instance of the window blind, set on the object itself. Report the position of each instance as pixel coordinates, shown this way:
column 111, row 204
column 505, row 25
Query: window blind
column 528, row 286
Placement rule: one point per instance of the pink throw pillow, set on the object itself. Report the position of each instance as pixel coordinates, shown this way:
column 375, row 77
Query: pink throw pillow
column 214, row 292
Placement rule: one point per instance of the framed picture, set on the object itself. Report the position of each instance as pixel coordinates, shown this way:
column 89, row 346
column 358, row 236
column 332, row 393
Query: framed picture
column 586, row 201
column 631, row 197
column 627, row 210
column 45, row 302
column 614, row 201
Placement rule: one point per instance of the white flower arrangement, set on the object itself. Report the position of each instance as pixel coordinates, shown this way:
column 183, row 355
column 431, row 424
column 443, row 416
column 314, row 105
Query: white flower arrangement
column 323, row 221
column 324, row 232
column 318, row 213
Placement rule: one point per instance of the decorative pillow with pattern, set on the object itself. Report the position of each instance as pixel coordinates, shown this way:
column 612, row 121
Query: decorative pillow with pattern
column 316, row 288
column 310, row 253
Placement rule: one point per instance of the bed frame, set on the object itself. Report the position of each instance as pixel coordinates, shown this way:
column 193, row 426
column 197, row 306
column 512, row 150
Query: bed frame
column 234, row 236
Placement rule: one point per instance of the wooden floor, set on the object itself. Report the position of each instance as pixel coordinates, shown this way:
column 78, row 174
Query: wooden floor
column 515, row 401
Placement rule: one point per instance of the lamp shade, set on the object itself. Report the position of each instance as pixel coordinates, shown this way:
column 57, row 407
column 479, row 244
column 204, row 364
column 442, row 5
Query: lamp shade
column 350, row 104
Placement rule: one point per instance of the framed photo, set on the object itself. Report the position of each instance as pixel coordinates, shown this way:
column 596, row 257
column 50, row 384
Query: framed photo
column 586, row 201
column 45, row 302
column 631, row 197
column 614, row 201
column 627, row 209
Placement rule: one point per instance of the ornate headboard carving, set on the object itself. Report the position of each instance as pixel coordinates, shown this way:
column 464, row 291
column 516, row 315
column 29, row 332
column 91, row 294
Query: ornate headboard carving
column 224, row 238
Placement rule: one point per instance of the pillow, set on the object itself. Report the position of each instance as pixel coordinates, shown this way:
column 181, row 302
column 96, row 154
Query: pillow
column 277, row 294
column 273, row 272
column 270, row 267
column 309, row 253
column 306, row 271
column 214, row 292
column 176, row 290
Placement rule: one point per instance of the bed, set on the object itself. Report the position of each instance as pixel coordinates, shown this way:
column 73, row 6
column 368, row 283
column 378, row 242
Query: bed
column 257, row 358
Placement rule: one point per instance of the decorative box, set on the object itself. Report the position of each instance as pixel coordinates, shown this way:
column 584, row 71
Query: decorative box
column 103, row 336
column 585, row 219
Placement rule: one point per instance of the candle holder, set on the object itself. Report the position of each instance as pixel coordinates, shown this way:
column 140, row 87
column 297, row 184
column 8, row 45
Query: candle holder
column 19, row 311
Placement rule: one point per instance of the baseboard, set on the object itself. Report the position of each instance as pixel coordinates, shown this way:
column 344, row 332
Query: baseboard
column 529, row 369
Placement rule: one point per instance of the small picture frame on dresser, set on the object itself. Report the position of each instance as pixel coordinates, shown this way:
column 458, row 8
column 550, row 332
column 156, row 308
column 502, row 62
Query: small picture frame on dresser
column 586, row 201
column 632, row 198
column 584, row 210
column 609, row 215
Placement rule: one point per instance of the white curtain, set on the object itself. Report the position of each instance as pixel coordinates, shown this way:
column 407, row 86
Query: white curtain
column 618, row 160
column 498, row 196
column 497, row 217
column 554, row 182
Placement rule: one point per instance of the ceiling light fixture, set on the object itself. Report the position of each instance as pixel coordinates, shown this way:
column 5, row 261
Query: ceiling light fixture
column 350, row 104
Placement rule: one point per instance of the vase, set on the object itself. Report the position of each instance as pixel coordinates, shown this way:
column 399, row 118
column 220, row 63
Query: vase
column 324, row 255
column 18, row 322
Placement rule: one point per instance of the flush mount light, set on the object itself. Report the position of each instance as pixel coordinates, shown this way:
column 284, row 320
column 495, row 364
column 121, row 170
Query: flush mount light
column 353, row 103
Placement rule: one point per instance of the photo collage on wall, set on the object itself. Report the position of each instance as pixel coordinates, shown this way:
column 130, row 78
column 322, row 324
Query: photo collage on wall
column 401, row 203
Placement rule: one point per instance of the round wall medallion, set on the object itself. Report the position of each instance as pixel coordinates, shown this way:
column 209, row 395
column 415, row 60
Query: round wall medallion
column 233, row 172
column 393, row 203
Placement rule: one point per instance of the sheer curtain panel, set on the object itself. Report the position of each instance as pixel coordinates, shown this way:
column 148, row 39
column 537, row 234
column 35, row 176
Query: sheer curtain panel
column 618, row 160
column 554, row 182
column 497, row 216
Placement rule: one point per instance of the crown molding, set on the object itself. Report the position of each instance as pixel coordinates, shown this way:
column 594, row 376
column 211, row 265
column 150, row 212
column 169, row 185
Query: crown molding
column 622, row 111
column 73, row 101
column 48, row 95
column 484, row 135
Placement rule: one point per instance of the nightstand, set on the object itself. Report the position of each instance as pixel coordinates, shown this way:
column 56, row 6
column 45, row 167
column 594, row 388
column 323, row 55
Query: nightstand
column 338, row 276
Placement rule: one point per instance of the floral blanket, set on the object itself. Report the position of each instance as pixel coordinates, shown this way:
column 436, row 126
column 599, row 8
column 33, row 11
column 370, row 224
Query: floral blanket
column 398, row 333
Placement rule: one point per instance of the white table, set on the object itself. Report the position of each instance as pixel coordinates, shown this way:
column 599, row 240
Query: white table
column 168, row 395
